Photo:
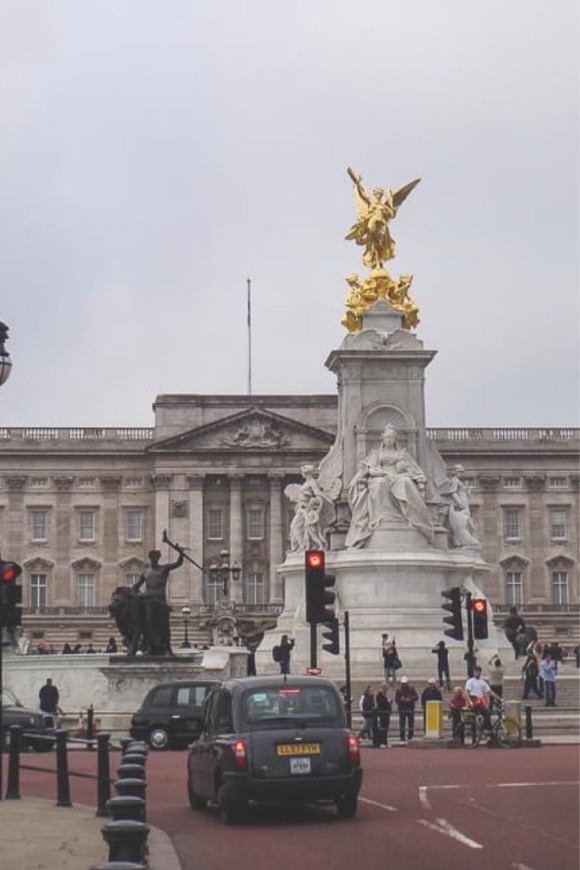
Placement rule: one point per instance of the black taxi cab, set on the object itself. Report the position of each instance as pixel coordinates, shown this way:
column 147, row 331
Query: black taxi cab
column 282, row 739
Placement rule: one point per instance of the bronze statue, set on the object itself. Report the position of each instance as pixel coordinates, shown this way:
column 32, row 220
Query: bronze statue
column 154, row 580
column 126, row 608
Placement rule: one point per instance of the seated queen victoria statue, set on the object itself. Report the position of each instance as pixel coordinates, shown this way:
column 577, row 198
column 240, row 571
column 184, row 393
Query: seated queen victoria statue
column 387, row 487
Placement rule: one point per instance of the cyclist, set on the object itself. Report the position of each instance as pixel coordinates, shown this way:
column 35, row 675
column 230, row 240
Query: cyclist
column 477, row 693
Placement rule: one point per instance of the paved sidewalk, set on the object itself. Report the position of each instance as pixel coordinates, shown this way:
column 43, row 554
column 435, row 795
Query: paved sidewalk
column 37, row 835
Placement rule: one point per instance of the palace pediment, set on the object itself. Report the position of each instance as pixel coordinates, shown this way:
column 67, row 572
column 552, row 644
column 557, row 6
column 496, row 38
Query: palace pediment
column 252, row 429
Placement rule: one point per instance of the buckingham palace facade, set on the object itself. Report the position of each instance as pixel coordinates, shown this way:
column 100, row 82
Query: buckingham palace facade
column 80, row 508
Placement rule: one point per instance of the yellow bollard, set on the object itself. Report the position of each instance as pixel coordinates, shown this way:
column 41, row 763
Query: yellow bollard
column 433, row 719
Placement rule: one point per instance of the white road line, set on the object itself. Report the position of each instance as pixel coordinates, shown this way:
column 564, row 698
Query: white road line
column 528, row 784
column 521, row 867
column 424, row 800
column 443, row 827
column 387, row 807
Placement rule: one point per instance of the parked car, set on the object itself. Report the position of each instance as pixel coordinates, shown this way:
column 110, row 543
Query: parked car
column 171, row 714
column 38, row 729
column 282, row 739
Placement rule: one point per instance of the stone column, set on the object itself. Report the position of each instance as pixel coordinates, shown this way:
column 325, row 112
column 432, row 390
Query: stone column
column 236, row 534
column 276, row 590
column 161, row 485
column 535, row 538
column 195, row 540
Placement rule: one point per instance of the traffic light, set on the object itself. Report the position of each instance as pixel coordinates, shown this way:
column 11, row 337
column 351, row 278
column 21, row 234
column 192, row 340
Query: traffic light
column 479, row 611
column 332, row 636
column 454, row 609
column 10, row 595
column 319, row 592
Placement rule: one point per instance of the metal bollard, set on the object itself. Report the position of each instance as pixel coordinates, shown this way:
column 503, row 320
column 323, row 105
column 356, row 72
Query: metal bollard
column 132, row 787
column 62, row 780
column 529, row 727
column 134, row 758
column 125, row 743
column 127, row 840
column 127, row 807
column 13, row 787
column 128, row 771
column 103, row 775
column 118, row 865
column 137, row 746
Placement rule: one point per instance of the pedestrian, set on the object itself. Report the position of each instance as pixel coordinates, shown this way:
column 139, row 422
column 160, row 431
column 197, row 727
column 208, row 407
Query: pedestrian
column 576, row 652
column 478, row 694
column 429, row 693
column 457, row 704
column 366, row 705
column 548, row 671
column 90, row 649
column 286, row 647
column 391, row 660
column 383, row 716
column 48, row 697
column 406, row 697
column 111, row 646
column 530, row 674
column 66, row 650
column 495, row 674
column 442, row 654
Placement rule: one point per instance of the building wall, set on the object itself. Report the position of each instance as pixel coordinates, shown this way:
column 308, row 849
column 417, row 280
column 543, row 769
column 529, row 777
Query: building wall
column 213, row 472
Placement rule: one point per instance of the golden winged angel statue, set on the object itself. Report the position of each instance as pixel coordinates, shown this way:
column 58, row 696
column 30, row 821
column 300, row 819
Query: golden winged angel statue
column 375, row 210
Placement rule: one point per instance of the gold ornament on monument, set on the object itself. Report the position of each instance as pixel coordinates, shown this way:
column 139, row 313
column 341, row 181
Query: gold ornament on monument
column 375, row 211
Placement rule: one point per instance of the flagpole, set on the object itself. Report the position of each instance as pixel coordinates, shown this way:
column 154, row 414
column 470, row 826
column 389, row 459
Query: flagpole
column 249, row 286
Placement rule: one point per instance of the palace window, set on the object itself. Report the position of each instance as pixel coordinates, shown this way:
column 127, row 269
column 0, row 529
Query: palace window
column 38, row 524
column 38, row 590
column 85, row 589
column 86, row 525
column 514, row 588
column 131, row 578
column 214, row 589
column 559, row 587
column 558, row 524
column 133, row 525
column 215, row 524
column 255, row 588
column 557, row 482
column 255, row 520
column 512, row 524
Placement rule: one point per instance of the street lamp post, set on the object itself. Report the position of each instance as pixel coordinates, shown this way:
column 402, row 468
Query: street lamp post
column 221, row 572
column 5, row 361
column 186, row 614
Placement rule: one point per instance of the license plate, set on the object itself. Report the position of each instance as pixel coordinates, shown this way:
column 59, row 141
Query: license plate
column 298, row 749
column 300, row 765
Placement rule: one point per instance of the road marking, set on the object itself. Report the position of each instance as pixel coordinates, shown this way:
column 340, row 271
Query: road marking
column 527, row 785
column 423, row 799
column 443, row 827
column 521, row 867
column 387, row 807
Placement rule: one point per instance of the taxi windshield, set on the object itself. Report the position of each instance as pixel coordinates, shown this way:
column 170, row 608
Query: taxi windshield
column 302, row 703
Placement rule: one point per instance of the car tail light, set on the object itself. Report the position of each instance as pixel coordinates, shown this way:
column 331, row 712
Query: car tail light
column 240, row 751
column 353, row 750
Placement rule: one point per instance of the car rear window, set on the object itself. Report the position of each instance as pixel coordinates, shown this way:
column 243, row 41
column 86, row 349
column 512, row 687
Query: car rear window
column 302, row 703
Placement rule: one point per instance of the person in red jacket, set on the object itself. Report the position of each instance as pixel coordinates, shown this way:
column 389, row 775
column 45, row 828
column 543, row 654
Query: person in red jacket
column 406, row 697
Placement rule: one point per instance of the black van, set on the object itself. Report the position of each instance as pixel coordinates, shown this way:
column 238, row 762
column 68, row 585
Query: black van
column 171, row 714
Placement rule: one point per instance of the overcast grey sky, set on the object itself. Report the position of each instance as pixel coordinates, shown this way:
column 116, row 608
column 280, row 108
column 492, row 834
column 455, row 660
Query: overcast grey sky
column 155, row 153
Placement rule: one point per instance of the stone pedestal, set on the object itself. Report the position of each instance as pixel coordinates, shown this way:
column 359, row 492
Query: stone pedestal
column 383, row 591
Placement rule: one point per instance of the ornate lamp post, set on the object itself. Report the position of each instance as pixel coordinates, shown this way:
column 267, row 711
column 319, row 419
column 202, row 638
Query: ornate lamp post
column 5, row 361
column 221, row 572
column 186, row 614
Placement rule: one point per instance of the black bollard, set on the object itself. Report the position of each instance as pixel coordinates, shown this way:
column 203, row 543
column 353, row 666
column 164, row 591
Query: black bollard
column 134, row 758
column 125, row 743
column 126, row 839
column 126, row 771
column 103, row 775
column 529, row 727
column 118, row 865
column 127, row 807
column 137, row 746
column 131, row 786
column 13, row 787
column 62, row 780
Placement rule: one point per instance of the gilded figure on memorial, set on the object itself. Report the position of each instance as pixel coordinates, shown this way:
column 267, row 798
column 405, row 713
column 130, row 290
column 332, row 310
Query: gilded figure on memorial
column 375, row 211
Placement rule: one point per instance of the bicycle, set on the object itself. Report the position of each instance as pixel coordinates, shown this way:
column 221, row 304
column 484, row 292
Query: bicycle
column 505, row 731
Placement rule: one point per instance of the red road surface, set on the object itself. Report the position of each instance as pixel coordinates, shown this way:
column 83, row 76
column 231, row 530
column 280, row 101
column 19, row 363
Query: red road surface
column 445, row 810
